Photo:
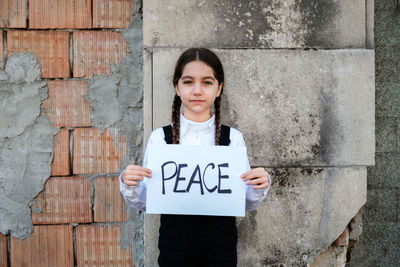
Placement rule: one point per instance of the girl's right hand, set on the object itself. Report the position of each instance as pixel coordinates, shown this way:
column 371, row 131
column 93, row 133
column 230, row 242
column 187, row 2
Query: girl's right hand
column 133, row 174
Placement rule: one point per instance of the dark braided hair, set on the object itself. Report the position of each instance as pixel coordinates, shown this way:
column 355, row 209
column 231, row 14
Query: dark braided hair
column 211, row 59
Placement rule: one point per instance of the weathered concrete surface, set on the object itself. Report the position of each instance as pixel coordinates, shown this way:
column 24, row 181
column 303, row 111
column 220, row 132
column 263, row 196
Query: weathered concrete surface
column 26, row 142
column 117, row 103
column 307, row 108
column 304, row 212
column 266, row 23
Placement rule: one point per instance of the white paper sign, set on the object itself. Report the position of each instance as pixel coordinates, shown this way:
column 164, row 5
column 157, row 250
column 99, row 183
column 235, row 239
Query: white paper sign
column 202, row 180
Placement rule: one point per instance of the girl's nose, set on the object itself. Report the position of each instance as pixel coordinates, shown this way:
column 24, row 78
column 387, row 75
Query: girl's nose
column 197, row 88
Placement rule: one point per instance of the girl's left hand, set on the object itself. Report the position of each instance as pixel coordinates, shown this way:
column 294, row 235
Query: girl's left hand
column 257, row 177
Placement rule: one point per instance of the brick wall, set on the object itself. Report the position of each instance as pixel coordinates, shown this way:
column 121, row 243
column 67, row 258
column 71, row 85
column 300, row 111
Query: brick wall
column 77, row 220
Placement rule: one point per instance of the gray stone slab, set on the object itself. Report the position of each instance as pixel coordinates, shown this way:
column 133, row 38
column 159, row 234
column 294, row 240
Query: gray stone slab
column 256, row 24
column 294, row 107
column 151, row 251
column 290, row 229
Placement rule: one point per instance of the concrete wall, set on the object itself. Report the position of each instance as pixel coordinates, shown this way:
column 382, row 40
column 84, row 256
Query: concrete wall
column 300, row 86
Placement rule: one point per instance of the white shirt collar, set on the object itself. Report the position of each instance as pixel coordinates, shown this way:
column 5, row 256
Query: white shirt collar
column 197, row 126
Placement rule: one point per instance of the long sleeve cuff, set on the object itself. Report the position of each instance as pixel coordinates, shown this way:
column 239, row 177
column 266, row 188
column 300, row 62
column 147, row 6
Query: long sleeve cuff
column 135, row 196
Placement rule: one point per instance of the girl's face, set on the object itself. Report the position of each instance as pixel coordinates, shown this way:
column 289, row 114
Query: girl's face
column 198, row 89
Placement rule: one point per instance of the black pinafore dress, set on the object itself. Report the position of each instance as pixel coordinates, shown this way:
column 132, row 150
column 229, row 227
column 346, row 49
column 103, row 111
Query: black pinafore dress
column 197, row 240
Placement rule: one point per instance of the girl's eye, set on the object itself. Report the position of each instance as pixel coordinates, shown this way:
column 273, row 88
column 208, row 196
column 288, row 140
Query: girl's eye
column 187, row 82
column 208, row 83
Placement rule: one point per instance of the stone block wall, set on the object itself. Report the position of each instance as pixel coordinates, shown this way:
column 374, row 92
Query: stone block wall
column 71, row 119
column 300, row 86
column 379, row 244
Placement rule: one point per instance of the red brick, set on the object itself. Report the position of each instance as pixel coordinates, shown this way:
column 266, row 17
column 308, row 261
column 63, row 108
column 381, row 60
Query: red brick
column 1, row 49
column 343, row 239
column 51, row 48
column 109, row 206
column 51, row 14
column 49, row 245
column 61, row 161
column 112, row 13
column 12, row 14
column 3, row 250
column 95, row 50
column 98, row 245
column 63, row 200
column 98, row 153
column 65, row 105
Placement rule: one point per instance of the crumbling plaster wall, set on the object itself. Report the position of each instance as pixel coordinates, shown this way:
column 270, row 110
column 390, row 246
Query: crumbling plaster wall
column 303, row 71
column 26, row 142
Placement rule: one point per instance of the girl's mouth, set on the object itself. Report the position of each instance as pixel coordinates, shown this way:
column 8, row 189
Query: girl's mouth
column 197, row 101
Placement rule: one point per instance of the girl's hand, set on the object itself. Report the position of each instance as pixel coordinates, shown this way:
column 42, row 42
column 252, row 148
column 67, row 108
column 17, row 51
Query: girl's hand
column 134, row 174
column 257, row 177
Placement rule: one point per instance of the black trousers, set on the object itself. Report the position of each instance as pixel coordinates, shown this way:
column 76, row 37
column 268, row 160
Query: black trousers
column 191, row 240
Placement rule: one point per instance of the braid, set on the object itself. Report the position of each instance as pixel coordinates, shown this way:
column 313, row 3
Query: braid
column 217, row 107
column 175, row 118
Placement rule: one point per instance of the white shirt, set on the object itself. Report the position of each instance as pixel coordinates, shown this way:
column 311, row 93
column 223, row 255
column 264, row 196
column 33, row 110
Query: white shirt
column 191, row 133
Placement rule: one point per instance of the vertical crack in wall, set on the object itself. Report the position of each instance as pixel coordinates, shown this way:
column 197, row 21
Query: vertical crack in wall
column 26, row 142
column 117, row 104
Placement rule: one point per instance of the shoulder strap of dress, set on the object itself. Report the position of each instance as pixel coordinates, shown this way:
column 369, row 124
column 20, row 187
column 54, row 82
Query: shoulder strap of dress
column 224, row 139
column 168, row 133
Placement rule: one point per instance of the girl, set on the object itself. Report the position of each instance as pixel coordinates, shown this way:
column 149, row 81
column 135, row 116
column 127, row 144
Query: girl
column 188, row 240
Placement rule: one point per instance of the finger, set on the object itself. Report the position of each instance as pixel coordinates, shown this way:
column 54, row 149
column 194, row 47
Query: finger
column 257, row 172
column 261, row 171
column 137, row 167
column 262, row 186
column 246, row 174
column 134, row 178
column 130, row 183
column 139, row 172
column 257, row 181
column 252, row 176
